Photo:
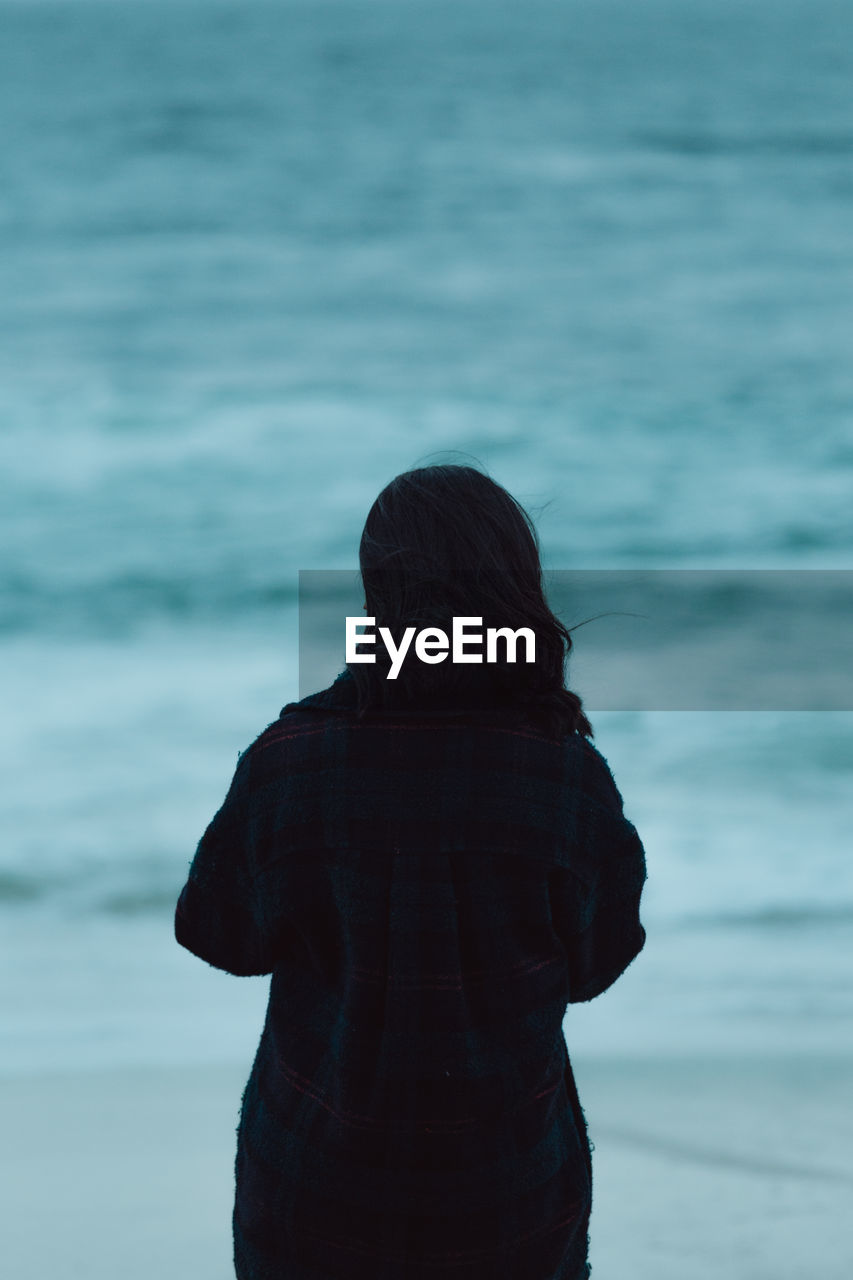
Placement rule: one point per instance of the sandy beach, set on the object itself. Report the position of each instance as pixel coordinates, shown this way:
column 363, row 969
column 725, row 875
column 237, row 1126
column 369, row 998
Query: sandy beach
column 736, row 1167
column 732, row 1167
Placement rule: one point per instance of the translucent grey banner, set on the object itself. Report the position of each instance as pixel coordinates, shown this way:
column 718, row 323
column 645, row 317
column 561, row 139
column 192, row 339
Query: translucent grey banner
column 657, row 639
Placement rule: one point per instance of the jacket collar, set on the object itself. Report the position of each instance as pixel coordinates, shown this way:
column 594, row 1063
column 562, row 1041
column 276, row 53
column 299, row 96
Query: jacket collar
column 340, row 699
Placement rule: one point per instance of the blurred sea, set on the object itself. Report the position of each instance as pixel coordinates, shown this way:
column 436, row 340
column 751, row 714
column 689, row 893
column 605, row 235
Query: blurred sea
column 258, row 258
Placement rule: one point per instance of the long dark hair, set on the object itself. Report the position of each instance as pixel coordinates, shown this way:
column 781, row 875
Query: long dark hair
column 445, row 541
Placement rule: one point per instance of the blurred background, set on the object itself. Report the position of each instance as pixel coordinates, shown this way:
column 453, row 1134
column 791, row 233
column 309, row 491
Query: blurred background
column 259, row 258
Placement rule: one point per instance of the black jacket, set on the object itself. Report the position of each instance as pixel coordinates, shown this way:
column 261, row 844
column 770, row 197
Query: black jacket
column 429, row 892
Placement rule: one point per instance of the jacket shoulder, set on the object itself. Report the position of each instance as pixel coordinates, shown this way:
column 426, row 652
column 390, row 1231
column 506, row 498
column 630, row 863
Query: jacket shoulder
column 599, row 785
column 289, row 726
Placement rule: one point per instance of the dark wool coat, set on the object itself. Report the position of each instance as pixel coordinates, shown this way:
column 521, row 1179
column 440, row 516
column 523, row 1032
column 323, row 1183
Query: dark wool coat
column 429, row 891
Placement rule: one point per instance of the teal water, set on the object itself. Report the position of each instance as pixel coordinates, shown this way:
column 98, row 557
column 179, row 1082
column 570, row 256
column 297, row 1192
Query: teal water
column 258, row 258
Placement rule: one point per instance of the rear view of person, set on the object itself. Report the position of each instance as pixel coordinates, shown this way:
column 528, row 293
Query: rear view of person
column 431, row 868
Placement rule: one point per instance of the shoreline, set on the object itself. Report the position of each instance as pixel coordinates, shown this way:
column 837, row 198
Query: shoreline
column 739, row 1165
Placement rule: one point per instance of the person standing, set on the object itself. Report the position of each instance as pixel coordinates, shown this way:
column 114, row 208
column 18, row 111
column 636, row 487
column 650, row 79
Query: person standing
column 432, row 868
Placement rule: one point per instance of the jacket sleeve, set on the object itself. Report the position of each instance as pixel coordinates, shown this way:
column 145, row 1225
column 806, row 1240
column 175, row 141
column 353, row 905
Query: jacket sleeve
column 595, row 907
column 220, row 915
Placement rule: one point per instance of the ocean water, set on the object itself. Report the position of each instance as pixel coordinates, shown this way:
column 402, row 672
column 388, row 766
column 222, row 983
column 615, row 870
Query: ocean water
column 258, row 258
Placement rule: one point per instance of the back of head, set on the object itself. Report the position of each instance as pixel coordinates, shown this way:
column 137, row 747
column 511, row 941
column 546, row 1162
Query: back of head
column 447, row 541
